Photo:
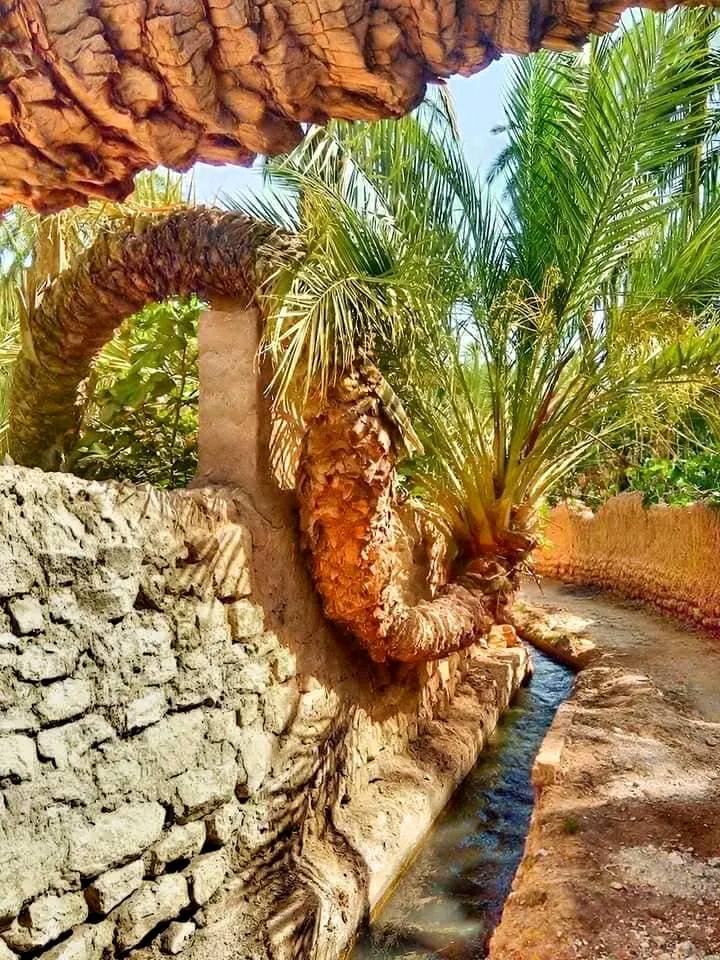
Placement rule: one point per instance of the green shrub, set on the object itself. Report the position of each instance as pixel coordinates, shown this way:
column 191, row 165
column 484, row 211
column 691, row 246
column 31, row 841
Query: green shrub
column 141, row 414
column 682, row 480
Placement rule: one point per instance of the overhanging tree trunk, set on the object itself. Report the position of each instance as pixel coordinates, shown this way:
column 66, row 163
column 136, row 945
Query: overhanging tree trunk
column 195, row 251
column 92, row 92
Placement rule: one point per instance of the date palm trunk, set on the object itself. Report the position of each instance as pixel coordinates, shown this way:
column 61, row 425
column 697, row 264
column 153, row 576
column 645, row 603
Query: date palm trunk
column 346, row 477
column 91, row 93
column 346, row 491
column 195, row 251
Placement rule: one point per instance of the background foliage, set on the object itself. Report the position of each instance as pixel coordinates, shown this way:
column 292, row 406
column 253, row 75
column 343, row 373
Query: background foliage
column 140, row 403
column 532, row 335
column 140, row 419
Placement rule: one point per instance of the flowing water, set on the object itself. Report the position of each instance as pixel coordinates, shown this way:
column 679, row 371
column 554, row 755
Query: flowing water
column 447, row 904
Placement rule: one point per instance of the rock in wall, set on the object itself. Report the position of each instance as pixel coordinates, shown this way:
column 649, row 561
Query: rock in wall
column 666, row 556
column 190, row 759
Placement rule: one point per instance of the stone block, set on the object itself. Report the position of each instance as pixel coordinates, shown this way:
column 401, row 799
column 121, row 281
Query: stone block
column 262, row 647
column 8, row 661
column 113, row 838
column 232, row 564
column 18, row 757
column 199, row 791
column 107, row 594
column 155, row 755
column 8, row 641
column 185, row 620
column 279, row 705
column 64, row 700
column 27, row 615
column 213, row 629
column 243, row 675
column 255, row 751
column 17, row 720
column 181, row 842
column 72, row 786
column 222, row 726
column 246, row 619
column 66, row 745
column 154, row 903
column 223, row 823
column 19, row 570
column 63, row 607
column 199, row 680
column 283, row 664
column 143, row 711
column 205, row 874
column 248, row 708
column 88, row 942
column 140, row 648
column 45, row 920
column 177, row 937
column 43, row 661
column 31, row 859
column 111, row 888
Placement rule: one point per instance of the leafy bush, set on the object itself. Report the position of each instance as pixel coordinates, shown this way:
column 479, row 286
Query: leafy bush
column 680, row 481
column 141, row 417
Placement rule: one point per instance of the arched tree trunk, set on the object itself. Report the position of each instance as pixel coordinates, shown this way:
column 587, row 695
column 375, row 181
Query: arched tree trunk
column 346, row 479
column 195, row 251
column 346, row 491
column 91, row 93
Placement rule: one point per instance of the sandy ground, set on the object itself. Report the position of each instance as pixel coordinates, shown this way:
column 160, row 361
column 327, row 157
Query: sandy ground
column 684, row 663
column 623, row 857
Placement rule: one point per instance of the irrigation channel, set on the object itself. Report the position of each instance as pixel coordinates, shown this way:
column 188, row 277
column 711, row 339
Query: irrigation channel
column 449, row 901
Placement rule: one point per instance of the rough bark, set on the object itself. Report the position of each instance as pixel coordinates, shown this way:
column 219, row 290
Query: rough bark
column 198, row 251
column 346, row 491
column 92, row 91
column 346, row 476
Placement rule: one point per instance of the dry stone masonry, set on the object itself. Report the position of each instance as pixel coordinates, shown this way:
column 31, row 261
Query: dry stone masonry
column 173, row 776
column 121, row 757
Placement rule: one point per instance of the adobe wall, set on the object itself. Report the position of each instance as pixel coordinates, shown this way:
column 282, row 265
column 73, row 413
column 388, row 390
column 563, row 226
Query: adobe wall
column 191, row 760
column 666, row 556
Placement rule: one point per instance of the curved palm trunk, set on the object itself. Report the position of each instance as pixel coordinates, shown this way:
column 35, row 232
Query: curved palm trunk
column 196, row 251
column 346, row 477
column 91, row 93
column 346, row 491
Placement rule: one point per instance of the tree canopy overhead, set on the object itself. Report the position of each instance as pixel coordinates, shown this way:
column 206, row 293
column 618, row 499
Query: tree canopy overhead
column 91, row 93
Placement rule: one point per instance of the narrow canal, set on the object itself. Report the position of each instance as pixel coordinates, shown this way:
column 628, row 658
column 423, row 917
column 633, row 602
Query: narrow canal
column 450, row 900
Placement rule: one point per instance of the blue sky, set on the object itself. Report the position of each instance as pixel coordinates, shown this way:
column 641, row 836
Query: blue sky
column 478, row 101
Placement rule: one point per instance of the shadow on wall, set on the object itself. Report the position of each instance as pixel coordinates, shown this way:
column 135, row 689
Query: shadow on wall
column 191, row 757
column 176, row 751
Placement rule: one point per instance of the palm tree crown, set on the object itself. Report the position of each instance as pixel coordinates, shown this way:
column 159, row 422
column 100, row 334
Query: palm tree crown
column 520, row 332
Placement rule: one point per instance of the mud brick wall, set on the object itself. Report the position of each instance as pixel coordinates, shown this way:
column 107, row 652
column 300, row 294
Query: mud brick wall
column 188, row 753
column 668, row 557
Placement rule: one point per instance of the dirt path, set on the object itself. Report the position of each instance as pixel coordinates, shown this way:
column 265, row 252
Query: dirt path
column 623, row 857
column 683, row 663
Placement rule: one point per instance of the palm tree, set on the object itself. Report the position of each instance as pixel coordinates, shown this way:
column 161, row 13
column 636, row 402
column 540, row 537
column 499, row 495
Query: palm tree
column 505, row 331
column 521, row 336
column 92, row 99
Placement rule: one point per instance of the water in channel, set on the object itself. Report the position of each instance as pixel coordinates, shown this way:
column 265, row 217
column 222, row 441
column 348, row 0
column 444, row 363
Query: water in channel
column 448, row 903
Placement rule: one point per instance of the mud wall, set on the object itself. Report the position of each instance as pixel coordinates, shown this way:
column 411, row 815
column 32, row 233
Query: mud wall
column 665, row 556
column 190, row 758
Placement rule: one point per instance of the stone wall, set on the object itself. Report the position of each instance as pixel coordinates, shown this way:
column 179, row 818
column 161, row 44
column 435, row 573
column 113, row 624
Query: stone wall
column 665, row 556
column 190, row 758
